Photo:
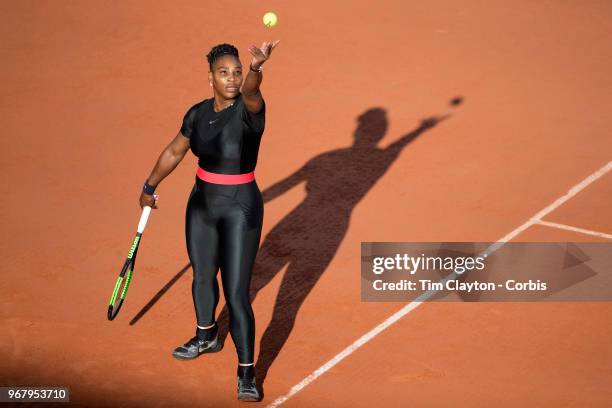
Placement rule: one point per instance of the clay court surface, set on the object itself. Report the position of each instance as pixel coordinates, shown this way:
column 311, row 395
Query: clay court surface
column 91, row 94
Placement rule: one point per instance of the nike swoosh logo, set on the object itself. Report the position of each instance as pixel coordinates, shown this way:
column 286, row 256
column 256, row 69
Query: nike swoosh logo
column 207, row 345
column 210, row 122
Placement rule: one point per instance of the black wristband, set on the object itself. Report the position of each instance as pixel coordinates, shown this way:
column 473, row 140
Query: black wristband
column 255, row 70
column 148, row 189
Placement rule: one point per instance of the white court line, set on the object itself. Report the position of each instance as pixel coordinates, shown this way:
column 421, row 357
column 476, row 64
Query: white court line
column 419, row 300
column 575, row 229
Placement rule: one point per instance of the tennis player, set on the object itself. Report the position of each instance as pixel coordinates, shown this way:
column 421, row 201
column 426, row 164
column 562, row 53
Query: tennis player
column 224, row 213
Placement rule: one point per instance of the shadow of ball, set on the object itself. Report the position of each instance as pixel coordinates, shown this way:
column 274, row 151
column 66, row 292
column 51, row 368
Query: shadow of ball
column 456, row 101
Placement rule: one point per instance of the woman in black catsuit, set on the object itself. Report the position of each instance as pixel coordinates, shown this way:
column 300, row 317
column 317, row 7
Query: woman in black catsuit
column 225, row 209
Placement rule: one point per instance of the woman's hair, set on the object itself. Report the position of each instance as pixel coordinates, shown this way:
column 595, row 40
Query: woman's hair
column 220, row 50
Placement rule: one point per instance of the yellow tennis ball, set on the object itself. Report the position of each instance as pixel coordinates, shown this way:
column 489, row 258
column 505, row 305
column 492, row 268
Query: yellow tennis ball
column 270, row 19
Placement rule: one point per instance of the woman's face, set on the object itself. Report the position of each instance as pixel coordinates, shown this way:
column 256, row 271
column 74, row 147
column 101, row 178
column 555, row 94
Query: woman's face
column 226, row 76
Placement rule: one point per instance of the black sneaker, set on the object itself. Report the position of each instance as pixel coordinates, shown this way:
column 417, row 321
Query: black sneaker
column 247, row 389
column 197, row 346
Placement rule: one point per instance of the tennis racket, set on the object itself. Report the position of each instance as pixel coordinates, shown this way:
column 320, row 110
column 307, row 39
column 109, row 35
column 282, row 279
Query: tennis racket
column 128, row 268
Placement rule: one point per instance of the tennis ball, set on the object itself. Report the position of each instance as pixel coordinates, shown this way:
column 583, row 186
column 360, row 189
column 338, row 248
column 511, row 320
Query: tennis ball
column 270, row 19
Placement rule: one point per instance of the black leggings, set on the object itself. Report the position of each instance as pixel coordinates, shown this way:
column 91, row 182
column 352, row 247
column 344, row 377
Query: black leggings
column 223, row 229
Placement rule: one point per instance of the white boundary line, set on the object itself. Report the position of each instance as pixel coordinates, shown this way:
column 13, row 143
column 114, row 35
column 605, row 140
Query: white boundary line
column 419, row 300
column 575, row 229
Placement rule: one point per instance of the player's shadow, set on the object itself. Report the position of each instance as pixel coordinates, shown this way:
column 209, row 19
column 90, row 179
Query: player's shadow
column 307, row 238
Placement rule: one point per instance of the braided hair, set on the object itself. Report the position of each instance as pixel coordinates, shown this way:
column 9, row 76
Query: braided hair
column 220, row 50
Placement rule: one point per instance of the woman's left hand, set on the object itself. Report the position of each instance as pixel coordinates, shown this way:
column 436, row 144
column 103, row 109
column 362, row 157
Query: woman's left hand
column 261, row 55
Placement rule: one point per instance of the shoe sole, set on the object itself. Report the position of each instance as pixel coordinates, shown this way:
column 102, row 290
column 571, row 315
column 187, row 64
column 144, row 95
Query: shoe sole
column 247, row 398
column 215, row 349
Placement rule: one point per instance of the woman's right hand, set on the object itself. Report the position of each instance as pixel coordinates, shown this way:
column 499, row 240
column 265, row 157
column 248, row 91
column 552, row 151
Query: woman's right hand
column 147, row 199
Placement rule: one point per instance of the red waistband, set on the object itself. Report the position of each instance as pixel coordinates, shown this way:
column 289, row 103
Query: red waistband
column 217, row 178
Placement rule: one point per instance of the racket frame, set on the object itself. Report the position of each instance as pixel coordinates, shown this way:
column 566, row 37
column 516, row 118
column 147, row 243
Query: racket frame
column 115, row 302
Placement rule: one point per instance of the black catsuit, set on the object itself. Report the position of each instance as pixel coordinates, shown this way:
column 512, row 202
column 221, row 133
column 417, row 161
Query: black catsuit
column 223, row 221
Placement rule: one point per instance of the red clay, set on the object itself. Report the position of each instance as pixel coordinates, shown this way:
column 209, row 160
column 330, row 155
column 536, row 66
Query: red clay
column 93, row 92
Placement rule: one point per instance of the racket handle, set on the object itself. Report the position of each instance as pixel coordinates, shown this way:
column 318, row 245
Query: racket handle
column 146, row 210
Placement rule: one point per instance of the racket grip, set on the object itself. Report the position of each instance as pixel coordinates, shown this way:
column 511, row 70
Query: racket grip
column 146, row 211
